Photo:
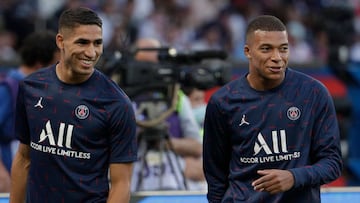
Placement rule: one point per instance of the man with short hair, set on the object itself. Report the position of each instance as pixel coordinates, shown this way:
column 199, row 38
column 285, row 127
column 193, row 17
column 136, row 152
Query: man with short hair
column 272, row 134
column 75, row 125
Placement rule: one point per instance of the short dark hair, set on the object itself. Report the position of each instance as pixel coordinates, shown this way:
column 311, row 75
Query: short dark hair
column 38, row 47
column 74, row 17
column 265, row 23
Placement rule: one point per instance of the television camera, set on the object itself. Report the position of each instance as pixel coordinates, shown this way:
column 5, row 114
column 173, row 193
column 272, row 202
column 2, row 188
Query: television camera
column 146, row 82
column 154, row 88
column 201, row 69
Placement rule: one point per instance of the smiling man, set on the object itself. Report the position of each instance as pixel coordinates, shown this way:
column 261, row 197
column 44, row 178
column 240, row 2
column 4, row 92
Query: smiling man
column 76, row 126
column 272, row 134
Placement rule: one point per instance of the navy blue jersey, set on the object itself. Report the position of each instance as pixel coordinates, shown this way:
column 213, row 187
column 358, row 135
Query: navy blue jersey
column 75, row 132
column 292, row 126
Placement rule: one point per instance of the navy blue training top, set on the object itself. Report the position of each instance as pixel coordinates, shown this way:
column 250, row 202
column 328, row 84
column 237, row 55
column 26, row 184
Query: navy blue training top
column 292, row 126
column 74, row 132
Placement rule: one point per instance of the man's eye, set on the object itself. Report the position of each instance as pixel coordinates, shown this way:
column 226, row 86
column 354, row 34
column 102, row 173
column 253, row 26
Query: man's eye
column 81, row 42
column 99, row 42
column 284, row 49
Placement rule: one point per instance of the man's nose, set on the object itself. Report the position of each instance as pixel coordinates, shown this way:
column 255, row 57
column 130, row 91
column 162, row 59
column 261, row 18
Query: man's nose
column 276, row 56
column 90, row 51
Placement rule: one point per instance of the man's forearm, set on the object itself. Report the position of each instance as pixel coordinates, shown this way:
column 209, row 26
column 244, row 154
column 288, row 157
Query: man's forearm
column 120, row 179
column 19, row 176
column 121, row 195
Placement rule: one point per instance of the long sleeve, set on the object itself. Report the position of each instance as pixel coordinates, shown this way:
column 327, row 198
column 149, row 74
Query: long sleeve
column 326, row 159
column 217, row 151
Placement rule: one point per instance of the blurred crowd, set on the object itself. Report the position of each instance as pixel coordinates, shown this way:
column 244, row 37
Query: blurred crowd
column 188, row 25
column 320, row 31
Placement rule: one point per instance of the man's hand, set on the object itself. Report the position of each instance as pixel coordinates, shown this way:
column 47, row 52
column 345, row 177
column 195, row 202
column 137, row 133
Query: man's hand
column 274, row 181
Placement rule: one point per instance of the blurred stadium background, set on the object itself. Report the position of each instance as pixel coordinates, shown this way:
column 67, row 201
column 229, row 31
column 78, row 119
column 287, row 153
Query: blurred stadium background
column 324, row 38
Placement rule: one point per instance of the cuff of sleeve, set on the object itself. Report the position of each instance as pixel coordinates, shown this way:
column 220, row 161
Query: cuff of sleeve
column 299, row 180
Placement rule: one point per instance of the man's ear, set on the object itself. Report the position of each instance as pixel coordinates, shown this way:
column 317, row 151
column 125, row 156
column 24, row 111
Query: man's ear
column 247, row 51
column 60, row 41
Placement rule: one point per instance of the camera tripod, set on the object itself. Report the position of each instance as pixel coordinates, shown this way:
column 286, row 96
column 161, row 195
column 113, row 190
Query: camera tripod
column 155, row 149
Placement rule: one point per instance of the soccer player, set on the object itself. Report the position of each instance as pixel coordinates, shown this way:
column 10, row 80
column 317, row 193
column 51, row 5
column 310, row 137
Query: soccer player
column 76, row 126
column 270, row 135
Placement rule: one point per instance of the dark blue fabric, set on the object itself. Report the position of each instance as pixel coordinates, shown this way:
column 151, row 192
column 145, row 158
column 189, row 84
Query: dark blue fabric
column 74, row 132
column 9, row 83
column 12, row 84
column 291, row 127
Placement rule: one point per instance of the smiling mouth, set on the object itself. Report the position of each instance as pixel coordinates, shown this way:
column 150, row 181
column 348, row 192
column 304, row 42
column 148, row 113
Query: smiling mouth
column 87, row 62
column 275, row 69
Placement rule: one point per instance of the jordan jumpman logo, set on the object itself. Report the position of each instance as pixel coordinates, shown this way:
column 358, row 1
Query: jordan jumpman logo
column 39, row 103
column 243, row 121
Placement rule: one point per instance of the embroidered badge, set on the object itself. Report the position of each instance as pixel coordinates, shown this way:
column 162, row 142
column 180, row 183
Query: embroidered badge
column 293, row 113
column 82, row 111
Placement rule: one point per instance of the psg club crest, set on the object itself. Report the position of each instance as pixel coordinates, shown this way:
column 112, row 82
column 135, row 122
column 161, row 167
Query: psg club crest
column 293, row 113
column 82, row 112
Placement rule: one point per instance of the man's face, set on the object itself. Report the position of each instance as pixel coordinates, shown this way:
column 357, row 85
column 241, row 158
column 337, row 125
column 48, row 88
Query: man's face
column 197, row 98
column 268, row 53
column 81, row 49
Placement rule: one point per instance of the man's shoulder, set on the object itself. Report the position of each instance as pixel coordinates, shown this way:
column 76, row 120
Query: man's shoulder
column 107, row 87
column 8, row 82
column 300, row 78
column 43, row 73
column 5, row 76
